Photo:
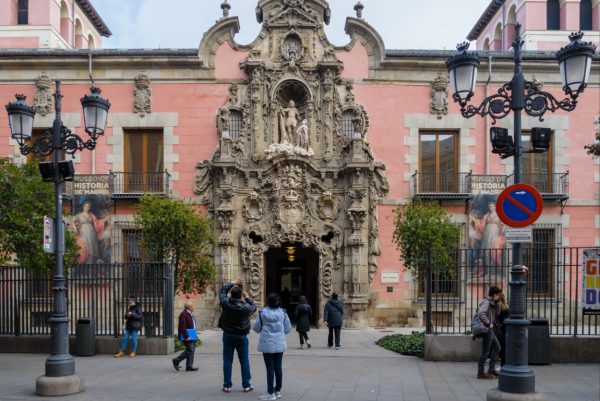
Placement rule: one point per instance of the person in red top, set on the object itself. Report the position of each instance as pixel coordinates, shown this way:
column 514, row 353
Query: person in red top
column 186, row 321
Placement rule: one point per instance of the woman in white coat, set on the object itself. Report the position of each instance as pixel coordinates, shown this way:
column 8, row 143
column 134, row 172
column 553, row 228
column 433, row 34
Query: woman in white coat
column 273, row 324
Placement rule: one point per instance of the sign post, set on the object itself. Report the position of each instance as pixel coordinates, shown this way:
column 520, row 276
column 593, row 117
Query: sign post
column 49, row 235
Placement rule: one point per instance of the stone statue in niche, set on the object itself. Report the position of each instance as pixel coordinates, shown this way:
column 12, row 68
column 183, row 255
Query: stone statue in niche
column 302, row 135
column 203, row 181
column 439, row 96
column 42, row 98
column 142, row 95
column 289, row 124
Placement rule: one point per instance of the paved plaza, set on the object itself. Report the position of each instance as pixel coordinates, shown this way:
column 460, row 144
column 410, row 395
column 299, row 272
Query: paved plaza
column 360, row 370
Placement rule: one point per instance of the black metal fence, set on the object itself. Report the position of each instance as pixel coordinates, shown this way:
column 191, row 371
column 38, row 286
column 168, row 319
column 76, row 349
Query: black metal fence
column 135, row 184
column 554, row 283
column 99, row 291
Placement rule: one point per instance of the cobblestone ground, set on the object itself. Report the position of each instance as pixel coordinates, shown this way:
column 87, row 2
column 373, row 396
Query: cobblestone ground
column 360, row 370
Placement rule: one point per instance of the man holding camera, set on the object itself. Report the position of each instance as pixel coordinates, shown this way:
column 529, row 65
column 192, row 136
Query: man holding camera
column 235, row 323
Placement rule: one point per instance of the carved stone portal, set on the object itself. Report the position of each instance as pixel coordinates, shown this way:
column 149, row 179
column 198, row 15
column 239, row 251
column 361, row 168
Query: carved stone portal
column 294, row 172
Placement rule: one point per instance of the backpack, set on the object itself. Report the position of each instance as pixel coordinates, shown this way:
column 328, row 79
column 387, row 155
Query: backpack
column 477, row 327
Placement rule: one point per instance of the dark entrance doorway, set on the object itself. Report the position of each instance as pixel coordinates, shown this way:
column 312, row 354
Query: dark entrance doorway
column 293, row 271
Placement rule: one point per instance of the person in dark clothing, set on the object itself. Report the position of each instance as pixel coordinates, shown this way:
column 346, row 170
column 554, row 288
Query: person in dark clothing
column 488, row 311
column 333, row 317
column 187, row 321
column 500, row 328
column 303, row 316
column 133, row 324
column 235, row 323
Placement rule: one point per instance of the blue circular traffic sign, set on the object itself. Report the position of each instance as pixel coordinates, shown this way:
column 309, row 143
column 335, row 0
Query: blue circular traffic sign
column 519, row 205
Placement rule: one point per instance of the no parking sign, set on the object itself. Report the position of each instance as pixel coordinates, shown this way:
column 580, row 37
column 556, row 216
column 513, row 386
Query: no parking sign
column 519, row 205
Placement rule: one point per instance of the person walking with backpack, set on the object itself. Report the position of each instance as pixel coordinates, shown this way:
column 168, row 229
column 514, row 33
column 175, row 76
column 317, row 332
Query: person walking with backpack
column 333, row 316
column 303, row 316
column 273, row 324
column 487, row 312
column 133, row 324
column 235, row 323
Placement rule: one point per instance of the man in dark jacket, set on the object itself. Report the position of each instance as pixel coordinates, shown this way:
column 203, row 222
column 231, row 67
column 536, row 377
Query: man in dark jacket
column 186, row 321
column 133, row 324
column 488, row 311
column 235, row 323
column 333, row 318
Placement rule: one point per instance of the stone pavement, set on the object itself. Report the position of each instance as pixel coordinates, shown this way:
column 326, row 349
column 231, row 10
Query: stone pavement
column 360, row 370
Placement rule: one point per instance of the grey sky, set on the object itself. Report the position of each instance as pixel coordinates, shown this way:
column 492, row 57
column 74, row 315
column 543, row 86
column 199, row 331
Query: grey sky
column 403, row 24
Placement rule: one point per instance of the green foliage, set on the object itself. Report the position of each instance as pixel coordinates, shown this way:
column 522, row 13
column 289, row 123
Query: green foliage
column 412, row 344
column 424, row 234
column 180, row 346
column 175, row 232
column 24, row 201
column 594, row 148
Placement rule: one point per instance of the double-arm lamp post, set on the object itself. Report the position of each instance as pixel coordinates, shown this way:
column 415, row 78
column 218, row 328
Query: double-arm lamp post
column 575, row 61
column 60, row 378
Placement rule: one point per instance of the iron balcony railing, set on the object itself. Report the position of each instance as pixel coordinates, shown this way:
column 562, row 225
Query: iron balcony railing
column 449, row 185
column 136, row 184
column 550, row 185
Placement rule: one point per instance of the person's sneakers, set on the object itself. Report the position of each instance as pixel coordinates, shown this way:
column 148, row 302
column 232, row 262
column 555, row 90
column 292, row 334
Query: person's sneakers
column 132, row 355
column 191, row 369
column 119, row 354
column 227, row 389
column 175, row 365
column 330, row 346
column 308, row 343
column 337, row 347
column 248, row 389
column 493, row 372
column 483, row 375
column 267, row 397
column 301, row 346
column 278, row 394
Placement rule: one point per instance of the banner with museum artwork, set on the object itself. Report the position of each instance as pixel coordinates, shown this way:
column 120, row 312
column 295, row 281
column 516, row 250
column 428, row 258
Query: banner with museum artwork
column 591, row 281
column 92, row 218
column 486, row 231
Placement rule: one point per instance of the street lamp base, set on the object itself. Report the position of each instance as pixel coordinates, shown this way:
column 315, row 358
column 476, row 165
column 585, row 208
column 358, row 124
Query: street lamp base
column 497, row 395
column 62, row 385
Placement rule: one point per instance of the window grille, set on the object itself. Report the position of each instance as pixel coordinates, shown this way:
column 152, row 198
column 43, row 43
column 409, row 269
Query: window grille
column 348, row 124
column 235, row 124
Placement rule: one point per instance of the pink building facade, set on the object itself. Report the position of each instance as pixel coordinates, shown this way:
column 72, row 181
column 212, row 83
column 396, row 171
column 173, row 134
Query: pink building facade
column 319, row 179
column 51, row 24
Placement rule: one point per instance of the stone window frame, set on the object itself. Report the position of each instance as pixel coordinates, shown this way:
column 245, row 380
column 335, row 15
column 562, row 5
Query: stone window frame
column 120, row 122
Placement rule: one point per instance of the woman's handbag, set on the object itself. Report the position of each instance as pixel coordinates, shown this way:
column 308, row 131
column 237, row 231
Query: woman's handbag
column 477, row 327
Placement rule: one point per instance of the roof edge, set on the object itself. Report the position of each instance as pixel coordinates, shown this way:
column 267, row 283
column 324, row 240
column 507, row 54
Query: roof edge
column 89, row 10
column 485, row 19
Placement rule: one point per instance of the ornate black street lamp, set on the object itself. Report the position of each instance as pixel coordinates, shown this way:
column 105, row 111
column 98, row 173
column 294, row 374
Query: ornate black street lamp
column 575, row 61
column 60, row 378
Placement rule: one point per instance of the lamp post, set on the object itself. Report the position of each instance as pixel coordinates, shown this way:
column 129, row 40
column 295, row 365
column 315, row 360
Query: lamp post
column 519, row 95
column 59, row 378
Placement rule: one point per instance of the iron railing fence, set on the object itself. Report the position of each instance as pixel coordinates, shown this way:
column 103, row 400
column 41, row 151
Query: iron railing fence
column 449, row 183
column 136, row 184
column 452, row 292
column 99, row 291
column 549, row 184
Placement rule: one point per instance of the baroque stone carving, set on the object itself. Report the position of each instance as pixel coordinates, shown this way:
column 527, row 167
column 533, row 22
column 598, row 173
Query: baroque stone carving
column 439, row 96
column 294, row 173
column 142, row 95
column 42, row 98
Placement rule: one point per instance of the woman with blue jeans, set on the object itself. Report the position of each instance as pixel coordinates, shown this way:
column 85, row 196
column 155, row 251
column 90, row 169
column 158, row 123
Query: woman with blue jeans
column 133, row 324
column 273, row 324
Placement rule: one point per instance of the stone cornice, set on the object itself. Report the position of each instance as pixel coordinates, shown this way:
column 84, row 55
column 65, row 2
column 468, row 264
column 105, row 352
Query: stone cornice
column 370, row 38
column 485, row 19
column 94, row 17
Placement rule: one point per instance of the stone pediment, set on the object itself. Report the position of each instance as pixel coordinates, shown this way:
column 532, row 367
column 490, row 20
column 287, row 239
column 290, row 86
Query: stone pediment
column 293, row 17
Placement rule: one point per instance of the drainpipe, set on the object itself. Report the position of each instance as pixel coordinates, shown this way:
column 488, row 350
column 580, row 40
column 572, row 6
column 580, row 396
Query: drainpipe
column 487, row 118
column 90, row 73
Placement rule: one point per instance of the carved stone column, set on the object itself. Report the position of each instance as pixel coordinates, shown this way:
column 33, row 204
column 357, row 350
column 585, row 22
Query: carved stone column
column 225, row 214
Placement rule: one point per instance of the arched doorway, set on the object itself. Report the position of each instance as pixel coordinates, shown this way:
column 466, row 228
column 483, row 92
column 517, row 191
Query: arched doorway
column 292, row 271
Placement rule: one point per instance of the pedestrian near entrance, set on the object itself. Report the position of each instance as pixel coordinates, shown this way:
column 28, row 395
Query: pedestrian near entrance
column 333, row 316
column 488, row 312
column 133, row 324
column 273, row 324
column 500, row 327
column 303, row 316
column 186, row 330
column 235, row 323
